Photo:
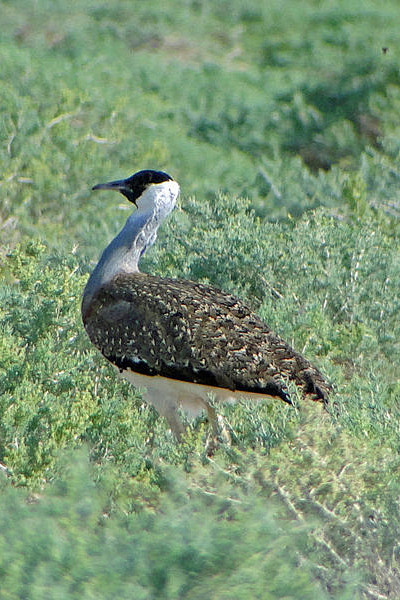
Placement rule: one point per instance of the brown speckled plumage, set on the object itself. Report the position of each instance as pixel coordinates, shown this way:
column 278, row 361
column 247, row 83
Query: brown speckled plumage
column 192, row 332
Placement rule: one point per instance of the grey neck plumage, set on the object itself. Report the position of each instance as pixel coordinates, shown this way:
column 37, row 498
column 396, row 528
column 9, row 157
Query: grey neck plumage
column 122, row 255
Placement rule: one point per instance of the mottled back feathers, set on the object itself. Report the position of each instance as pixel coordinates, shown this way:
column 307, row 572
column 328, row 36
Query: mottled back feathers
column 188, row 331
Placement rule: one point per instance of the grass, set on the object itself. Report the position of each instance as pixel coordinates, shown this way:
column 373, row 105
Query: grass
column 281, row 127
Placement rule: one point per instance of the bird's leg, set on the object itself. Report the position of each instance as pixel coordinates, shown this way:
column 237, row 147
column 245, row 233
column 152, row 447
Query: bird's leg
column 218, row 431
column 173, row 418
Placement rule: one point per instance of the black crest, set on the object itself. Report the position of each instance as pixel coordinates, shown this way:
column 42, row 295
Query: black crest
column 134, row 186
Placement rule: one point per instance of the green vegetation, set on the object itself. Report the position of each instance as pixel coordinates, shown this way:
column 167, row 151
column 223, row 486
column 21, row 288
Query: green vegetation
column 281, row 126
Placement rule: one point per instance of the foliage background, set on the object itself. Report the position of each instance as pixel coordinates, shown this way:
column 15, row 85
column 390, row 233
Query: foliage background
column 280, row 123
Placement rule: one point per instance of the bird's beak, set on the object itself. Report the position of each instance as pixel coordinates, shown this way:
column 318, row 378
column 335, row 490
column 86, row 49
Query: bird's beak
column 120, row 186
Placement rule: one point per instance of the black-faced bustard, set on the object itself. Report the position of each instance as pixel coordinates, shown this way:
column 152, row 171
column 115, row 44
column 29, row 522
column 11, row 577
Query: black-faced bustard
column 180, row 340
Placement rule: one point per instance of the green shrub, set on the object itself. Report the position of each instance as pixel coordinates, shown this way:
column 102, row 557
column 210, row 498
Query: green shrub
column 282, row 128
column 217, row 542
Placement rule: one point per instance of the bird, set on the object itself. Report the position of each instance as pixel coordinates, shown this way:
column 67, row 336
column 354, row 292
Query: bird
column 183, row 342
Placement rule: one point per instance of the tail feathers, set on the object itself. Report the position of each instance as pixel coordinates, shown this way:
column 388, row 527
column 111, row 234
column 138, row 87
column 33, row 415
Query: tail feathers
column 315, row 386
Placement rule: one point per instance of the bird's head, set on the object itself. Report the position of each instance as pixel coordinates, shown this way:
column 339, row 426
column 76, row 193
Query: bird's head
column 146, row 189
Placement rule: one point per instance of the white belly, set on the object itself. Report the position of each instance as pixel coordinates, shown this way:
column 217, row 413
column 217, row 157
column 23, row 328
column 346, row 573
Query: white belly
column 169, row 395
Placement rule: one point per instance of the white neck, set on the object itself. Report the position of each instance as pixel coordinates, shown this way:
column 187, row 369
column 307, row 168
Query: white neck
column 122, row 255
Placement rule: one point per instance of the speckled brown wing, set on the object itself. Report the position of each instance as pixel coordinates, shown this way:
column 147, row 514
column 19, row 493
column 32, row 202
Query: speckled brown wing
column 192, row 332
